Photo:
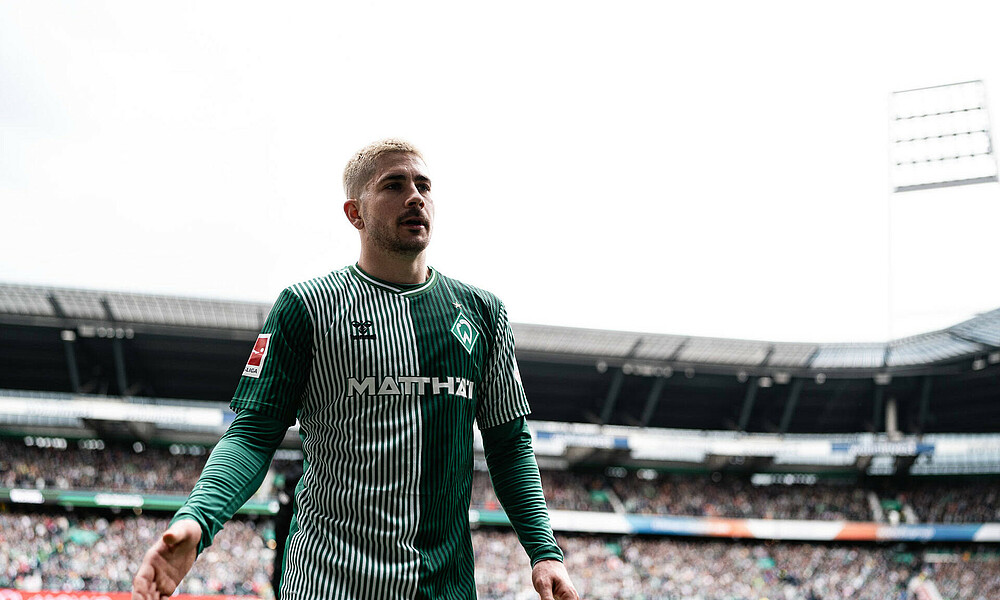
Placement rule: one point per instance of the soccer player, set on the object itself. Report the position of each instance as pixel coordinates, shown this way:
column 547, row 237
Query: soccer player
column 386, row 364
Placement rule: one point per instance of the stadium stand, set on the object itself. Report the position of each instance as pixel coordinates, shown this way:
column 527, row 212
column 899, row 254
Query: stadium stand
column 67, row 552
column 115, row 467
column 92, row 465
column 675, row 467
column 738, row 498
column 70, row 552
column 975, row 501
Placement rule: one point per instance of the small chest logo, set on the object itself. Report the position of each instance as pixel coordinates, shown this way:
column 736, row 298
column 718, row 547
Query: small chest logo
column 256, row 361
column 362, row 330
column 465, row 331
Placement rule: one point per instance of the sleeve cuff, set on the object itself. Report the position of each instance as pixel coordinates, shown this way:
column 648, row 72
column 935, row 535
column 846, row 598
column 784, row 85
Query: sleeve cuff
column 554, row 554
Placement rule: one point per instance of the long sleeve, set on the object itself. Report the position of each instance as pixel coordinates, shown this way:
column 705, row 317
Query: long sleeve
column 234, row 471
column 518, row 486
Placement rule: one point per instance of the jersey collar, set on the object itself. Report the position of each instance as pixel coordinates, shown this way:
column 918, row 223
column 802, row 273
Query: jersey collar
column 396, row 288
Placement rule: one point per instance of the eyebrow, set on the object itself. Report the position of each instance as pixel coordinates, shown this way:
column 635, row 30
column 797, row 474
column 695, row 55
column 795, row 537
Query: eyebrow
column 402, row 177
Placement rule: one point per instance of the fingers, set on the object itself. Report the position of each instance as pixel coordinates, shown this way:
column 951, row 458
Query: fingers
column 545, row 593
column 566, row 593
column 167, row 561
column 140, row 588
column 555, row 591
column 142, row 585
column 552, row 582
column 562, row 590
column 148, row 581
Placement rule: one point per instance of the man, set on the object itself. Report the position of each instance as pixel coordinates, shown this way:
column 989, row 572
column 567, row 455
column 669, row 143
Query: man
column 385, row 364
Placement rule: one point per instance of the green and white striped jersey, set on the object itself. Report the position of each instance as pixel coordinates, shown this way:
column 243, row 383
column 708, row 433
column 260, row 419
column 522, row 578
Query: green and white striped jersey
column 386, row 381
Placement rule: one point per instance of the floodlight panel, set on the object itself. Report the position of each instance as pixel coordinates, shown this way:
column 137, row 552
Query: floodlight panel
column 945, row 173
column 938, row 99
column 941, row 137
column 948, row 147
column 917, row 128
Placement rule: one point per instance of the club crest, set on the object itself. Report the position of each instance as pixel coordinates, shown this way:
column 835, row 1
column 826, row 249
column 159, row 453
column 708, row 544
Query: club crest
column 465, row 332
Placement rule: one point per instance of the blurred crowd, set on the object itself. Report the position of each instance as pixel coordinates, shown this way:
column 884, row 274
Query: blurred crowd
column 738, row 498
column 666, row 569
column 175, row 469
column 118, row 468
column 563, row 491
column 67, row 552
column 976, row 501
column 968, row 577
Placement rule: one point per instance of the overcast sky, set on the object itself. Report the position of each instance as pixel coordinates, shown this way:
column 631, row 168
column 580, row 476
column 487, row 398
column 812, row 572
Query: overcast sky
column 715, row 169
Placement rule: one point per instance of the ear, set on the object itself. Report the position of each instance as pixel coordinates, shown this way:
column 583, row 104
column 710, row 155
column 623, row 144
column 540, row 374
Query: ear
column 352, row 209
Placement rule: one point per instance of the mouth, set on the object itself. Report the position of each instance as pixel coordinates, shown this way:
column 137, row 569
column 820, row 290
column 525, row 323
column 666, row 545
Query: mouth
column 414, row 223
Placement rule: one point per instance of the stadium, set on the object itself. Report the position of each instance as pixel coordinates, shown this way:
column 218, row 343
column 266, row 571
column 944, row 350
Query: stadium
column 671, row 199
column 674, row 467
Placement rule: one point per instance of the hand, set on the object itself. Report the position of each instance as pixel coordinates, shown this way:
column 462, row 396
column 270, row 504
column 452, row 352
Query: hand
column 552, row 582
column 167, row 561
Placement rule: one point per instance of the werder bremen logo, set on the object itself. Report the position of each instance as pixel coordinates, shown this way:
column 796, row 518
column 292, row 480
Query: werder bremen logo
column 465, row 332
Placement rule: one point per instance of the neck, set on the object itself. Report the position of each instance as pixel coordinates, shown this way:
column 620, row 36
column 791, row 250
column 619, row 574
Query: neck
column 394, row 268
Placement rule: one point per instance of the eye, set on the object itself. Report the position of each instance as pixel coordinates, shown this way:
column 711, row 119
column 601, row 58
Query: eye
column 424, row 187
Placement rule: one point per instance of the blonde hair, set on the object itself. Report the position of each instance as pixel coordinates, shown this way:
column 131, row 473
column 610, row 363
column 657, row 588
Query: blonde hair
column 361, row 167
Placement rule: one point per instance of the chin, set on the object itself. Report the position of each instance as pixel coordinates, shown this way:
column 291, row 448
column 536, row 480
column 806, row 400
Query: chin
column 412, row 246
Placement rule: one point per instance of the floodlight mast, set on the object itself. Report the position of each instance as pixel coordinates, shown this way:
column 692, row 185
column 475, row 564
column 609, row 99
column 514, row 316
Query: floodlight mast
column 941, row 137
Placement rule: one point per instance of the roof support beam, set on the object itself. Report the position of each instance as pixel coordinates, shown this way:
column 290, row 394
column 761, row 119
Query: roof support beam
column 793, row 400
column 56, row 306
column 748, row 401
column 612, row 399
column 652, row 401
column 877, row 409
column 116, row 344
column 69, row 345
column 925, row 403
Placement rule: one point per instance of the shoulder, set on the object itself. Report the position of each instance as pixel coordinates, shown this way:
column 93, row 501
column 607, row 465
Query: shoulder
column 325, row 285
column 312, row 297
column 320, row 290
column 467, row 292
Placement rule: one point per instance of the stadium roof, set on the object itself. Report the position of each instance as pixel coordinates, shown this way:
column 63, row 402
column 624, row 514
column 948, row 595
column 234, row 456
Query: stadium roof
column 977, row 336
column 124, row 344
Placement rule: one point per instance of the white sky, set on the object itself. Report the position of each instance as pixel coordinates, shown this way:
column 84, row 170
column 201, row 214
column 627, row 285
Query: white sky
column 713, row 169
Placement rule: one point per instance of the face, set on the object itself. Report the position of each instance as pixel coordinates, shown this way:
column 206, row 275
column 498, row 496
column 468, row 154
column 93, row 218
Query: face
column 396, row 212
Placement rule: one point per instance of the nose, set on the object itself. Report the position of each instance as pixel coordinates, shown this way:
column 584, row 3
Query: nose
column 414, row 198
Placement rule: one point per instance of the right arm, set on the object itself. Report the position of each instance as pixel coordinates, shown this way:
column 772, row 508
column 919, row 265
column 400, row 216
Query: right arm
column 233, row 473
column 266, row 402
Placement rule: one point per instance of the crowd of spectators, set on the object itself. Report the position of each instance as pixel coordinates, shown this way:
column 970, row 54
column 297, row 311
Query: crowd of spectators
column 738, row 498
column 66, row 552
column 174, row 470
column 563, row 491
column 118, row 468
column 967, row 577
column 667, row 569
column 976, row 501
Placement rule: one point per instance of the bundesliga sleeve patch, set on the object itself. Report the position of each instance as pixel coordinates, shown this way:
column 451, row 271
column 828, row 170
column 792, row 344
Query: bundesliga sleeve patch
column 256, row 361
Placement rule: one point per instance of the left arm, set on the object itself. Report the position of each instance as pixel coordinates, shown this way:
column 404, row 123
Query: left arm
column 507, row 442
column 518, row 486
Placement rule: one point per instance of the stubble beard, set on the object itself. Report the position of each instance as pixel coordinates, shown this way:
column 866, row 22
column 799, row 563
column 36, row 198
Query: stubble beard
column 388, row 241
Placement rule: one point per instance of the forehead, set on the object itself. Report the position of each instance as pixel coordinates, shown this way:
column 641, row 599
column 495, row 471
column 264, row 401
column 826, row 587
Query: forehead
column 399, row 163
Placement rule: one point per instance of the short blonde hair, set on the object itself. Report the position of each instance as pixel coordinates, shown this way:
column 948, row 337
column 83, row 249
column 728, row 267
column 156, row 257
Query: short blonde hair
column 361, row 167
